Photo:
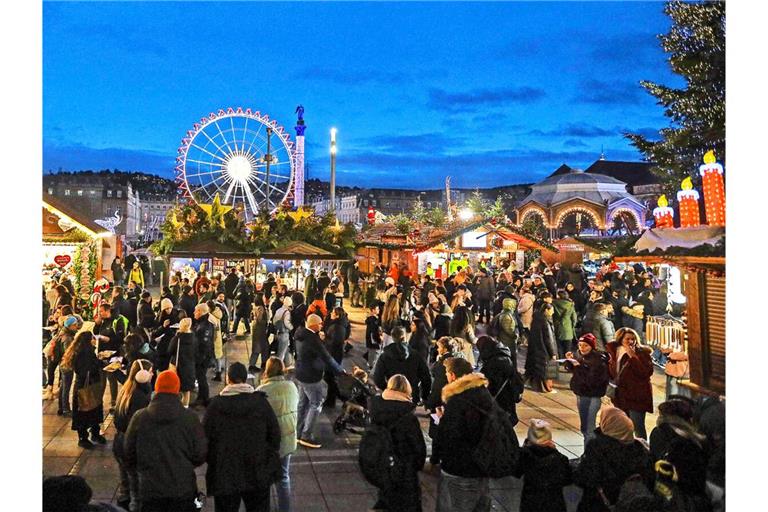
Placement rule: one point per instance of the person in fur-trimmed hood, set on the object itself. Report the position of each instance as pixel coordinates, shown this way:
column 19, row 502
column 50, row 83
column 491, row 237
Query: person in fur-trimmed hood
column 459, row 431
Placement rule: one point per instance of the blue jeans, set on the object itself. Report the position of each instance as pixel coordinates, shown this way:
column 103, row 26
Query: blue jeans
column 588, row 407
column 65, row 386
column 459, row 494
column 283, row 344
column 284, row 485
column 311, row 398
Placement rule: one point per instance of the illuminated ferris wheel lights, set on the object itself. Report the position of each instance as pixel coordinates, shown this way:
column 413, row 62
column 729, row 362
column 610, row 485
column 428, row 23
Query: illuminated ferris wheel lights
column 239, row 168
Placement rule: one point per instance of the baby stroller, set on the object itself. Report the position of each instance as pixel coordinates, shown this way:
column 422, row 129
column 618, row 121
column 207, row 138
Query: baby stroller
column 355, row 394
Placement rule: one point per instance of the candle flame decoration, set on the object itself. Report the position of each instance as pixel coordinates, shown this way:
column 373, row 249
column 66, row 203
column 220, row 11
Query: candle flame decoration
column 662, row 202
column 709, row 157
column 687, row 183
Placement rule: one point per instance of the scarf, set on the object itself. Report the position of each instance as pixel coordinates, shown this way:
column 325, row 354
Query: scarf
column 391, row 394
column 236, row 389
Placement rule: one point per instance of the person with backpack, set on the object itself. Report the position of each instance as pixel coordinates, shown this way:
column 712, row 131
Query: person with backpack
column 480, row 442
column 504, row 382
column 392, row 450
column 609, row 460
column 564, row 321
column 545, row 471
column 588, row 383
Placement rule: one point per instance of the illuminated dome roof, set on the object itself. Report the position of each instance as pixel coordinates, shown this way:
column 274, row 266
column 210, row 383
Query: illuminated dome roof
column 577, row 184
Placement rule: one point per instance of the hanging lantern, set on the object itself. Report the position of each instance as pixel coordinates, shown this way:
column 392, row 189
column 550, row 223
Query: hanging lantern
column 663, row 214
column 714, row 190
column 688, row 199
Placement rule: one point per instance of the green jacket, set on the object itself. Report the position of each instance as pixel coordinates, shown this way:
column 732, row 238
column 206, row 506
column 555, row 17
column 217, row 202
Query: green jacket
column 564, row 319
column 283, row 396
column 508, row 334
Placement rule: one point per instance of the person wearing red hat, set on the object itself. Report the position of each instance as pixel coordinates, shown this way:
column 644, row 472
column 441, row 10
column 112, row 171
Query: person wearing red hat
column 588, row 383
column 166, row 431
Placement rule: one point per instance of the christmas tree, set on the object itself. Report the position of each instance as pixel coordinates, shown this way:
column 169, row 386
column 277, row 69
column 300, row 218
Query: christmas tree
column 696, row 48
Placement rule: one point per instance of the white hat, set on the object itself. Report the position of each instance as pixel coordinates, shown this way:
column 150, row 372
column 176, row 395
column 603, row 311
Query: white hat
column 287, row 302
column 390, row 280
column 166, row 303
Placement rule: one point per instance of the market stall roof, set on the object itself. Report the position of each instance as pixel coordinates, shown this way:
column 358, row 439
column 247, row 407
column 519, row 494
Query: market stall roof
column 79, row 220
column 688, row 238
column 208, row 249
column 422, row 238
column 298, row 250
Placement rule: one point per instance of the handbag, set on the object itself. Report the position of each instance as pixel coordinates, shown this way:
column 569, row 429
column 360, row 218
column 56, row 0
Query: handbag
column 89, row 396
column 551, row 370
column 613, row 385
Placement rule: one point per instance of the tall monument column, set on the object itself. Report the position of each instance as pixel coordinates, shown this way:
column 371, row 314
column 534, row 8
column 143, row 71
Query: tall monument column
column 298, row 196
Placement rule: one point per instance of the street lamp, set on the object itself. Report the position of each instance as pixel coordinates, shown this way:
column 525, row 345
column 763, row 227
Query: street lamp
column 333, row 171
column 465, row 214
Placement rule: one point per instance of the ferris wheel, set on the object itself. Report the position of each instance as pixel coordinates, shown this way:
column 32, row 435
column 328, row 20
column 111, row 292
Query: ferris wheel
column 245, row 157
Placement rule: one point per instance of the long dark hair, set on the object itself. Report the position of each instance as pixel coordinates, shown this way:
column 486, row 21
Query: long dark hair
column 461, row 319
column 82, row 340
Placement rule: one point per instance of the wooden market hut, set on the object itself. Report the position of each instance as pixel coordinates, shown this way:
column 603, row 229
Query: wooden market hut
column 219, row 256
column 699, row 254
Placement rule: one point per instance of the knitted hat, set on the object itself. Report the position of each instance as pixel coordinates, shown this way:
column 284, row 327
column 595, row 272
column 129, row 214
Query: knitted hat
column 166, row 304
column 616, row 424
column 168, row 382
column 314, row 319
column 70, row 321
column 589, row 339
column 508, row 303
column 539, row 431
column 390, row 280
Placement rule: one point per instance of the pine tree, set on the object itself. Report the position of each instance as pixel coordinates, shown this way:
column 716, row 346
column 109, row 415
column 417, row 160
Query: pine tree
column 419, row 211
column 696, row 48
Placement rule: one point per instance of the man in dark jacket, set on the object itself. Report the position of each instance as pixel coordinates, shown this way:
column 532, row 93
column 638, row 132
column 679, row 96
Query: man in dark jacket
column 204, row 331
column 312, row 359
column 485, row 293
column 110, row 332
column 164, row 444
column 243, row 444
column 120, row 305
column 353, row 281
column 463, row 485
column 399, row 358
column 230, row 283
column 446, row 348
column 504, row 382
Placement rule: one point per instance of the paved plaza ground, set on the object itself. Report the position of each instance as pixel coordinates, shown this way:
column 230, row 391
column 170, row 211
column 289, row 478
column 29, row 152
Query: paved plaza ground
column 328, row 479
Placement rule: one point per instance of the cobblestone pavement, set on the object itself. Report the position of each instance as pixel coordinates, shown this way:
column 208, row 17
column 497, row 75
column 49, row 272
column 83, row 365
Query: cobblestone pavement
column 328, row 479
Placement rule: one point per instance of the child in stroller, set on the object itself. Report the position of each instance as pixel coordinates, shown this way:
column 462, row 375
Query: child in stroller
column 355, row 391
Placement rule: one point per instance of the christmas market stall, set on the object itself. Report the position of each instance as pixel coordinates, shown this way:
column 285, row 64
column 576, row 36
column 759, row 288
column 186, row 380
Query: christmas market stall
column 190, row 257
column 446, row 248
column 295, row 258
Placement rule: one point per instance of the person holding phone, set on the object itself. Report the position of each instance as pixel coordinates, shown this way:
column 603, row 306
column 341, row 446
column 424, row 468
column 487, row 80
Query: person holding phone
column 631, row 369
column 588, row 383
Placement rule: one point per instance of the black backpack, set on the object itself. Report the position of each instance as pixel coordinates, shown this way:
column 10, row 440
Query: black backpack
column 497, row 452
column 377, row 459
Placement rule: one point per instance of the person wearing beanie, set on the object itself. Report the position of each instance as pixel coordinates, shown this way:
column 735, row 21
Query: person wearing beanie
column 609, row 459
column 161, row 337
column 244, row 441
column 312, row 359
column 588, row 382
column 544, row 470
column 163, row 444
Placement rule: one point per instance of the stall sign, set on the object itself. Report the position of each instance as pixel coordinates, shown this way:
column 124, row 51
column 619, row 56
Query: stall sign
column 570, row 247
column 62, row 260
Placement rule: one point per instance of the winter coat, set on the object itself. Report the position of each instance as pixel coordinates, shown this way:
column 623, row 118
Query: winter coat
column 186, row 346
column 546, row 471
column 468, row 335
column 139, row 400
column 117, row 272
column 243, row 299
column 372, row 332
column 145, row 315
column 167, row 333
column 259, row 326
column 312, row 358
column 507, row 331
column 420, row 342
column 310, row 287
column 541, row 347
column 603, row 330
column 164, row 444
column 525, row 309
column 137, row 276
column 439, row 380
column 243, row 443
column 336, row 333
column 87, row 368
column 399, row 358
column 408, row 447
column 218, row 343
column 203, row 330
column 187, row 304
column 590, row 376
column 486, row 288
column 230, row 283
column 634, row 391
column 497, row 365
column 120, row 306
column 564, row 319
column 606, row 464
column 461, row 426
column 317, row 307
column 323, row 282
column 677, row 441
column 283, row 396
column 633, row 318
column 442, row 323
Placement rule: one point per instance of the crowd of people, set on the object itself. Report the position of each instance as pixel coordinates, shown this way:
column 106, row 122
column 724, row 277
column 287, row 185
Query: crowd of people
column 450, row 346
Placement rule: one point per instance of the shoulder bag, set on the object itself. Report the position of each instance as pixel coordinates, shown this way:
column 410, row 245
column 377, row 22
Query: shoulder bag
column 89, row 396
column 613, row 384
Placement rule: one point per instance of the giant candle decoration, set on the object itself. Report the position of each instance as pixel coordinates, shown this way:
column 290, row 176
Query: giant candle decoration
column 714, row 190
column 663, row 214
column 688, row 199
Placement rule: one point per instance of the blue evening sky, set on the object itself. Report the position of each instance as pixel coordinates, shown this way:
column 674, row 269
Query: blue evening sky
column 489, row 93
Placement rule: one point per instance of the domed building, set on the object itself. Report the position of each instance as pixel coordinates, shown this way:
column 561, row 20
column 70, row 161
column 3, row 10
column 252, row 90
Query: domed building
column 573, row 202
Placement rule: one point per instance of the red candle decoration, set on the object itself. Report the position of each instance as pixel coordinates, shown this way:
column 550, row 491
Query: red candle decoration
column 714, row 190
column 663, row 215
column 688, row 199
